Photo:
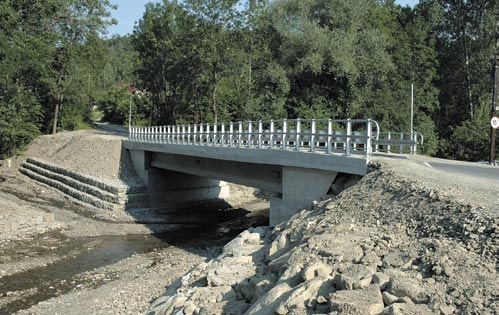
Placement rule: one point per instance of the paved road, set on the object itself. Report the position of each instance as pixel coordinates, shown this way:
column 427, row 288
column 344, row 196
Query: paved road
column 482, row 171
column 113, row 129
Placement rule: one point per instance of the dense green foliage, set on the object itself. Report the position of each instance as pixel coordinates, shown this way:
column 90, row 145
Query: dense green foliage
column 221, row 60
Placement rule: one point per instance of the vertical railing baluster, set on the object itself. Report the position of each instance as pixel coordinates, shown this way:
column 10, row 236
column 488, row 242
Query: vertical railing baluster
column 222, row 137
column 194, row 138
column 348, row 139
column 369, row 131
column 231, row 133
column 284, row 145
column 250, row 131
column 329, row 135
column 215, row 137
column 183, row 134
column 401, row 143
column 201, row 134
column 389, row 146
column 208, row 134
column 298, row 134
column 271, row 136
column 260, row 131
column 312, row 135
column 240, row 134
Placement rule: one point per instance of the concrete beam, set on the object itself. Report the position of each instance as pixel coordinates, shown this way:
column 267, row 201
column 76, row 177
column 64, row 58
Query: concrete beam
column 266, row 177
column 310, row 160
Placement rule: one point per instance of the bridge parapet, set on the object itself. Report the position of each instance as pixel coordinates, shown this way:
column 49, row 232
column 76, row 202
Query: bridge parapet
column 328, row 136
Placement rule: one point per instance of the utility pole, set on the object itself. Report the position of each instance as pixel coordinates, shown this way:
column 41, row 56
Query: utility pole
column 495, row 96
column 493, row 111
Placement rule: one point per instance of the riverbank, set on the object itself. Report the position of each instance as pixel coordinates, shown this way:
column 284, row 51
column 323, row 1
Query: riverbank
column 58, row 256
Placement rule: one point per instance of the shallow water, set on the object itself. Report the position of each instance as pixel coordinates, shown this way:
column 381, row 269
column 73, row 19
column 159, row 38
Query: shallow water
column 79, row 255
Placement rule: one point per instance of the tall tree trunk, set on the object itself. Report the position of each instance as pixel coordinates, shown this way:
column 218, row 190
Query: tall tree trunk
column 214, row 94
column 56, row 115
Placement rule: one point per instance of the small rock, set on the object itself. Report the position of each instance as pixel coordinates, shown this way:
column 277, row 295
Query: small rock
column 389, row 299
column 381, row 280
column 404, row 309
column 355, row 276
column 405, row 287
column 367, row 301
column 313, row 270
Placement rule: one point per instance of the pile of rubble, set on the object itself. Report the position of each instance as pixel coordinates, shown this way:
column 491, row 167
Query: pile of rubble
column 388, row 245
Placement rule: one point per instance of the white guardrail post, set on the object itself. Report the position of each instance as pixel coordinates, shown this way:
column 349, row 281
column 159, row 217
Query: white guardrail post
column 348, row 139
column 284, row 133
column 369, row 133
column 329, row 135
column 298, row 133
column 271, row 136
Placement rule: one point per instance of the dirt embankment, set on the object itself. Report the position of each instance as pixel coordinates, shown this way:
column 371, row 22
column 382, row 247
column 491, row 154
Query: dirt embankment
column 398, row 242
column 62, row 257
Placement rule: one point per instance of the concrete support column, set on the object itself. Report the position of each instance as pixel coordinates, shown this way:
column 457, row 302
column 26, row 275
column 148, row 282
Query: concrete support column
column 299, row 188
column 141, row 161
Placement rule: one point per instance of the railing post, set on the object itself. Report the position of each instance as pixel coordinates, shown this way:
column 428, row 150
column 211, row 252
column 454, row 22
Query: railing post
column 231, row 133
column 348, row 139
column 201, row 134
column 207, row 134
column 329, row 135
column 260, row 130
column 297, row 136
column 215, row 138
column 401, row 143
column 284, row 133
column 222, row 137
column 183, row 134
column 413, row 143
column 250, row 131
column 389, row 146
column 189, row 134
column 194, row 138
column 368, row 140
column 271, row 137
column 240, row 135
column 312, row 135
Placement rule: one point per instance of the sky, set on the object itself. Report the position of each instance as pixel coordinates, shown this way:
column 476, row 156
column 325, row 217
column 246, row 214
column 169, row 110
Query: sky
column 130, row 11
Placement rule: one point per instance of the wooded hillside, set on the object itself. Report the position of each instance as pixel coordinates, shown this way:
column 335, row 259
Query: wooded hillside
column 220, row 60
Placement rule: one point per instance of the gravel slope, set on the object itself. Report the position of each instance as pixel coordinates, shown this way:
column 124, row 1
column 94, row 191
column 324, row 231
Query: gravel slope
column 401, row 241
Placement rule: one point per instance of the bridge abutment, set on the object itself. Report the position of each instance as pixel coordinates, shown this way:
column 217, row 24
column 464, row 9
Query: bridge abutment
column 300, row 187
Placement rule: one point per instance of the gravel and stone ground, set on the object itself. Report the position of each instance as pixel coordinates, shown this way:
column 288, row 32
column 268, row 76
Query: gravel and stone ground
column 403, row 240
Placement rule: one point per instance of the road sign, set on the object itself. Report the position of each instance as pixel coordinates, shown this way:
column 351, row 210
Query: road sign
column 494, row 122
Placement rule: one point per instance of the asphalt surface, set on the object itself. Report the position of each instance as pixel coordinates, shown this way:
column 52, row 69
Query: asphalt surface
column 113, row 129
column 481, row 171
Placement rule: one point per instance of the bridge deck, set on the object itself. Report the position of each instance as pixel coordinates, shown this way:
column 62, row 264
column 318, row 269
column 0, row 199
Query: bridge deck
column 354, row 164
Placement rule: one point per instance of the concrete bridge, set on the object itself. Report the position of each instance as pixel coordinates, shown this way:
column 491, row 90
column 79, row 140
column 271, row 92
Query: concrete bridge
column 299, row 160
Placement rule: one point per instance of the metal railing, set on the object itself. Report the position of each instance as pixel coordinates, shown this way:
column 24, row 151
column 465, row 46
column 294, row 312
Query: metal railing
column 328, row 136
column 398, row 142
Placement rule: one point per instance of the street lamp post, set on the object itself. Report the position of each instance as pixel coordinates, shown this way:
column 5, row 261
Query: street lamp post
column 130, row 114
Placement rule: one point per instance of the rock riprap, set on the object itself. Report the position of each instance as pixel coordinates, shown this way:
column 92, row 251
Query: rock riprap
column 393, row 257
